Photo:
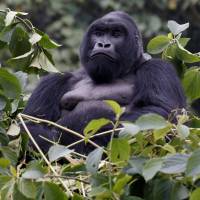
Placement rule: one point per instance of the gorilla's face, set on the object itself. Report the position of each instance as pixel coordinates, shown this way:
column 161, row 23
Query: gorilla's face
column 110, row 47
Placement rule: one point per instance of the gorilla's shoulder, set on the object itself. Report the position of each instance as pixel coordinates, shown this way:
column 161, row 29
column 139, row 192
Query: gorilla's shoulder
column 157, row 65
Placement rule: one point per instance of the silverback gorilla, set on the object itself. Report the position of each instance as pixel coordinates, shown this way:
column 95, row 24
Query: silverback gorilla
column 115, row 67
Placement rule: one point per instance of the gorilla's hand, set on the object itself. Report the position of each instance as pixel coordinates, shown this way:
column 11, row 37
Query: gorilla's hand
column 84, row 112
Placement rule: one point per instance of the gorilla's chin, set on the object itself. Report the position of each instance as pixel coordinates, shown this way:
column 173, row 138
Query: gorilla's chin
column 102, row 69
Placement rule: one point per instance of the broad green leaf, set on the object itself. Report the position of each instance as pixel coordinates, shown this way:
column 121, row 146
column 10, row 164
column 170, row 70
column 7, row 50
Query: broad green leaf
column 10, row 84
column 120, row 150
column 158, row 44
column 151, row 121
column 183, row 131
column 129, row 130
column 4, row 163
column 58, row 151
column 93, row 160
column 5, row 181
column 9, row 154
column 18, row 195
column 186, row 56
column 10, row 17
column 151, row 167
column 195, row 194
column 100, row 192
column 176, row 28
column 47, row 43
column 115, row 107
column 132, row 198
column 6, row 33
column 34, row 171
column 169, row 148
column 135, row 165
column 191, row 83
column 184, row 41
column 27, row 54
column 77, row 197
column 193, row 164
column 19, row 43
column 94, row 125
column 45, row 63
column 161, row 133
column 174, row 164
column 121, row 183
column 3, row 101
column 13, row 130
column 27, row 188
column 35, row 38
column 53, row 192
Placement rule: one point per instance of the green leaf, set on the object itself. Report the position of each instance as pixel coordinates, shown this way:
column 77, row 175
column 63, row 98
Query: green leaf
column 135, row 165
column 27, row 188
column 151, row 121
column 195, row 194
column 34, row 171
column 183, row 131
column 120, row 184
column 47, row 43
column 129, row 130
column 174, row 164
column 10, row 84
column 184, row 41
column 13, row 130
column 53, row 192
column 93, row 160
column 120, row 150
column 158, row 44
column 115, row 107
column 186, row 56
column 35, row 38
column 94, row 125
column 19, row 43
column 10, row 17
column 4, row 163
column 176, row 28
column 9, row 154
column 151, row 167
column 18, row 195
column 191, row 83
column 169, row 148
column 3, row 101
column 45, row 63
column 161, row 133
column 193, row 164
column 58, row 151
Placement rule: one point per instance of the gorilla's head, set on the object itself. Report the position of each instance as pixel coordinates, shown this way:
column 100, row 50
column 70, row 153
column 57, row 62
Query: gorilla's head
column 110, row 47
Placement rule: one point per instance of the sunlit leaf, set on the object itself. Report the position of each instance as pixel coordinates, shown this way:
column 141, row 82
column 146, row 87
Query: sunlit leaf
column 176, row 28
column 158, row 44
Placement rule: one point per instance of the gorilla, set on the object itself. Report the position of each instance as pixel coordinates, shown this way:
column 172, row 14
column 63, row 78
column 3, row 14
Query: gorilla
column 113, row 67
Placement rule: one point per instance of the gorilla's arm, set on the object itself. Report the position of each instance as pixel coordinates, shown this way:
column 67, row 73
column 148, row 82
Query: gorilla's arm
column 44, row 103
column 158, row 90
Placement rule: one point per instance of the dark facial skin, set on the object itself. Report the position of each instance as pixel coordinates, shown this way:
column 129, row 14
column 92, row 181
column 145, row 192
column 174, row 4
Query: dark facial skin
column 110, row 47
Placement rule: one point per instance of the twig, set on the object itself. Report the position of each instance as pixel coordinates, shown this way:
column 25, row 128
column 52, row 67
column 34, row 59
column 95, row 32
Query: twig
column 42, row 154
column 54, row 143
column 61, row 127
column 68, row 177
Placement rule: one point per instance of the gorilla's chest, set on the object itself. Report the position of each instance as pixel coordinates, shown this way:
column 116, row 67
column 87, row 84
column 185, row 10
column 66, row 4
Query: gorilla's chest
column 121, row 91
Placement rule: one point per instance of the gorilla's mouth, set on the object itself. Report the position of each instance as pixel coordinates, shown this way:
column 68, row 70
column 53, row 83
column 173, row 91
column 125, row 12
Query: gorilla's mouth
column 102, row 54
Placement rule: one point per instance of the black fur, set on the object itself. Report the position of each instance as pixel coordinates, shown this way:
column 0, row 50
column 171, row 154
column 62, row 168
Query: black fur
column 112, row 68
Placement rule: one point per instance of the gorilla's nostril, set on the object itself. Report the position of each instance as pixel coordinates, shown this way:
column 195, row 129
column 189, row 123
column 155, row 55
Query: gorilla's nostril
column 100, row 44
column 107, row 45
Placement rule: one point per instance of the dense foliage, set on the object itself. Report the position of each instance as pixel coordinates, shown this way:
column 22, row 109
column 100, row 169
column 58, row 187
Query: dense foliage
column 151, row 159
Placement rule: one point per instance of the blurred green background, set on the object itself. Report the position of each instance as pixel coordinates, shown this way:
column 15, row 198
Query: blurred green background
column 66, row 20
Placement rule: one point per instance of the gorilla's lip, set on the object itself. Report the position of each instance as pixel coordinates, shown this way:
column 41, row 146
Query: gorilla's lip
column 95, row 54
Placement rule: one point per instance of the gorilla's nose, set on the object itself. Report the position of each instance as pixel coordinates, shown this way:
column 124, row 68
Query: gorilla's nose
column 103, row 45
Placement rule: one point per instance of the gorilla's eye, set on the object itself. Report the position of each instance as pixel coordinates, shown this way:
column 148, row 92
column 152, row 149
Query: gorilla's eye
column 116, row 33
column 98, row 33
